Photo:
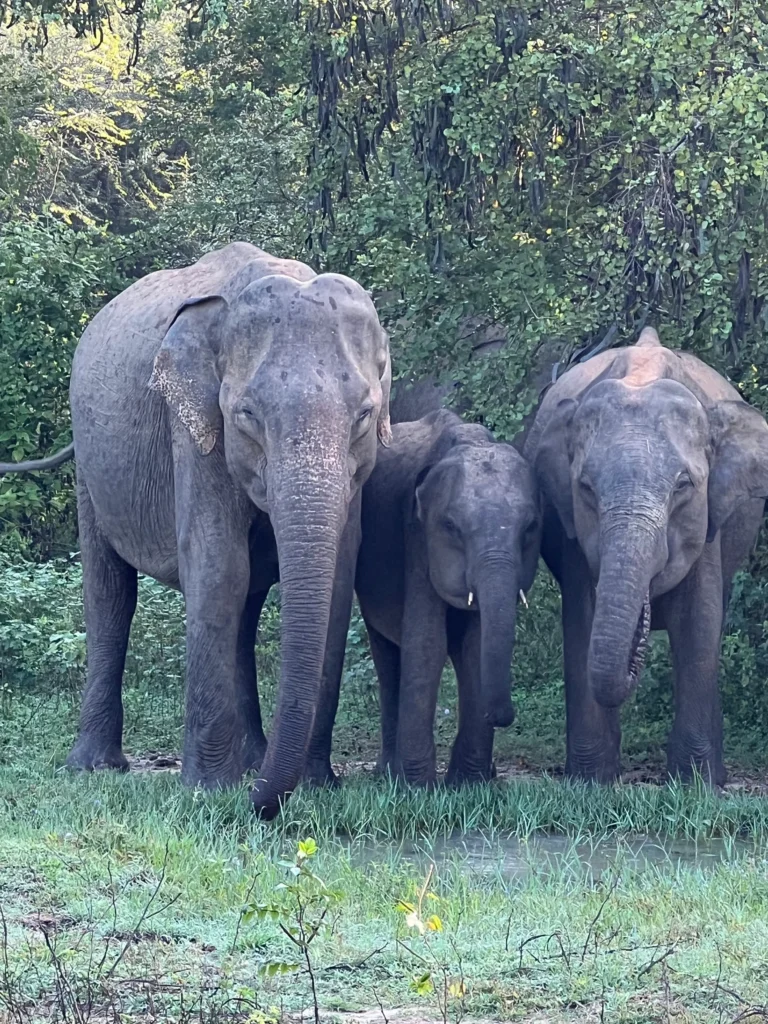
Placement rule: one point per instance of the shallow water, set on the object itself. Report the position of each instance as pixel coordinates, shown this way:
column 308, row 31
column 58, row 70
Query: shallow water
column 514, row 858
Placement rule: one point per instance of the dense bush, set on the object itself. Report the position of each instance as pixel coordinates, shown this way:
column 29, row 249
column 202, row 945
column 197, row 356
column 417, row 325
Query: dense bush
column 51, row 280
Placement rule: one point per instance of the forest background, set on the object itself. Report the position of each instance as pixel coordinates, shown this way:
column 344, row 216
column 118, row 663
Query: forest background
column 516, row 183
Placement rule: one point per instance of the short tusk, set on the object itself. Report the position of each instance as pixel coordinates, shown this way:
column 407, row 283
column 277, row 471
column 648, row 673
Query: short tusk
column 470, row 599
column 523, row 598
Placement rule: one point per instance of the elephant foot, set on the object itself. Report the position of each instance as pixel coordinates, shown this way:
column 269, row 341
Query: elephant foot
column 208, row 772
column 92, row 753
column 688, row 764
column 319, row 773
column 467, row 774
column 597, row 768
column 416, row 775
column 197, row 776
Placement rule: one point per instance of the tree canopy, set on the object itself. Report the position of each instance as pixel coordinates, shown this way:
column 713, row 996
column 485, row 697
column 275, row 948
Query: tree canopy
column 517, row 183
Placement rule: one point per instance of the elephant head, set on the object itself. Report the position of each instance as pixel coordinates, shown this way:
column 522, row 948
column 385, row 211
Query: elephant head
column 643, row 476
column 289, row 380
column 479, row 509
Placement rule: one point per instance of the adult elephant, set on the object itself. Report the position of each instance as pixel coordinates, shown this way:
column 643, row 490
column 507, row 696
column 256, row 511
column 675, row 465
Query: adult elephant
column 225, row 417
column 655, row 473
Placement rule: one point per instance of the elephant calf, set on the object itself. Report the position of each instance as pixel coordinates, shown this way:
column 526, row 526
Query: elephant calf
column 451, row 532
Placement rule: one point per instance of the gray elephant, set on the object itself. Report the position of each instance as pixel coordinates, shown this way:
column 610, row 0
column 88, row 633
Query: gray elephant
column 451, row 531
column 655, row 473
column 225, row 419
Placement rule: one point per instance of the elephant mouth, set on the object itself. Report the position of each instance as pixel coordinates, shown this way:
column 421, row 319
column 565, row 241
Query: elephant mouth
column 639, row 648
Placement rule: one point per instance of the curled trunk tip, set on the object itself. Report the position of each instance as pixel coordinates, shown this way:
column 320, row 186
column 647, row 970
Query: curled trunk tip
column 612, row 688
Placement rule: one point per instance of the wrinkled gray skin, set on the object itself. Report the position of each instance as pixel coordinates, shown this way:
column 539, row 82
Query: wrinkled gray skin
column 225, row 418
column 447, row 512
column 655, row 474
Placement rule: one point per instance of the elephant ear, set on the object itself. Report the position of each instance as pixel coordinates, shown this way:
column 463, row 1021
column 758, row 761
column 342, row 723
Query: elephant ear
column 383, row 425
column 185, row 371
column 553, row 465
column 420, row 479
column 739, row 469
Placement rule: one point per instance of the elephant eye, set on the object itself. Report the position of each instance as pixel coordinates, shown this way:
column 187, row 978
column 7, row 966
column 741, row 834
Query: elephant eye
column 683, row 482
column 587, row 492
column 248, row 421
column 364, row 415
column 449, row 525
column 530, row 531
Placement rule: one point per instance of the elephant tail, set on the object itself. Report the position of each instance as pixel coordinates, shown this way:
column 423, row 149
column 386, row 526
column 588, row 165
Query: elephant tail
column 51, row 462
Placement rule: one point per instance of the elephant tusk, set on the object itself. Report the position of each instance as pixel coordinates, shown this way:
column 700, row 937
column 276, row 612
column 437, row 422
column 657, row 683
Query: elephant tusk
column 523, row 598
column 470, row 599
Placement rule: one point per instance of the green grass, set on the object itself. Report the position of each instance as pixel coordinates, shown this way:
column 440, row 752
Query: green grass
column 143, row 883
column 105, row 856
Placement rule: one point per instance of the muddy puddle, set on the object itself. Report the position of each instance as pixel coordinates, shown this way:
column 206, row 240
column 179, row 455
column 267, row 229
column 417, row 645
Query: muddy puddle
column 517, row 859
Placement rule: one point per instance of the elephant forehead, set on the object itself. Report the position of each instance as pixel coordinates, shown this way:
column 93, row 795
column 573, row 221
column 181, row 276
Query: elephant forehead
column 325, row 308
column 617, row 400
column 488, row 472
column 334, row 291
column 496, row 462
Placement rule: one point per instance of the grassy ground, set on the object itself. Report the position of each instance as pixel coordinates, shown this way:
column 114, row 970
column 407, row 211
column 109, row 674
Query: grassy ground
column 129, row 898
column 132, row 899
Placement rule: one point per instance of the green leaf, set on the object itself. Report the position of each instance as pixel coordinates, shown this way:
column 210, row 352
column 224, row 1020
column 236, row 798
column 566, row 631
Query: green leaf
column 277, row 967
column 422, row 984
column 307, row 848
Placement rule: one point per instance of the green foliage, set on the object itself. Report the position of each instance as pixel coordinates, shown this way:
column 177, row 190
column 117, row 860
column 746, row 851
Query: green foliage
column 436, row 976
column 124, row 894
column 555, row 171
column 51, row 280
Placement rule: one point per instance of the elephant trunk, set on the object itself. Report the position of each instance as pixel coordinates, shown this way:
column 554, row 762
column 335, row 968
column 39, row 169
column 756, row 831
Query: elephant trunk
column 308, row 509
column 497, row 601
column 622, row 619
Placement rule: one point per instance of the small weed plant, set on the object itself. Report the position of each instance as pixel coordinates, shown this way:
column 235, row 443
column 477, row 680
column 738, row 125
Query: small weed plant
column 442, row 975
column 304, row 910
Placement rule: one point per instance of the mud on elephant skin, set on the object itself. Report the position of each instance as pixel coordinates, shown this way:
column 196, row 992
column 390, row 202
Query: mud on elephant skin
column 654, row 473
column 451, row 531
column 225, row 418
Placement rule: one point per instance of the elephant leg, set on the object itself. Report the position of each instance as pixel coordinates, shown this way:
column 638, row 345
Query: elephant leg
column 318, row 770
column 246, row 681
column 109, row 596
column 693, row 615
column 593, row 733
column 472, row 753
column 216, row 740
column 386, row 659
column 422, row 657
column 215, row 572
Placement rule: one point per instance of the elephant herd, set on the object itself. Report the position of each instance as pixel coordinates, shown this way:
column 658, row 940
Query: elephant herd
column 232, row 429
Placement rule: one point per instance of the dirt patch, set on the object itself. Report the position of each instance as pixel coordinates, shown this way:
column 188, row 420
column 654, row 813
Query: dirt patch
column 155, row 761
column 46, row 922
column 159, row 939
column 406, row 1015
column 752, row 783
